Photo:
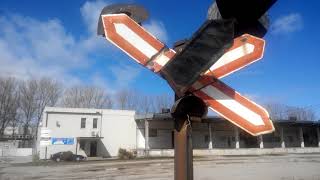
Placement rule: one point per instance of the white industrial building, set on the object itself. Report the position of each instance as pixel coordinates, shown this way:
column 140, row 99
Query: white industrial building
column 101, row 132
column 89, row 132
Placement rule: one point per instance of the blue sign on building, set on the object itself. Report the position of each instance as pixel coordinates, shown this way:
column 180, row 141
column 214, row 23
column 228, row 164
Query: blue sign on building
column 62, row 141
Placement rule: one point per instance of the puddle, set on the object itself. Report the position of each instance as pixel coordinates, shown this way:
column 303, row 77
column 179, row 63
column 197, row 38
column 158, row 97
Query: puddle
column 94, row 170
column 121, row 168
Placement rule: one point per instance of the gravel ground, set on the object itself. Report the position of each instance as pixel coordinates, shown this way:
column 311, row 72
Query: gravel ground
column 288, row 167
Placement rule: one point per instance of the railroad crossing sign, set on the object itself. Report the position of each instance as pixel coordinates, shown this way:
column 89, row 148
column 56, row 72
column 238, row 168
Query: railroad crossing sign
column 147, row 50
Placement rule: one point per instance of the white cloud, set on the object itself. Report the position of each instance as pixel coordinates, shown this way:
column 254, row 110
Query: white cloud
column 32, row 48
column 90, row 12
column 287, row 24
column 158, row 29
column 98, row 79
column 124, row 74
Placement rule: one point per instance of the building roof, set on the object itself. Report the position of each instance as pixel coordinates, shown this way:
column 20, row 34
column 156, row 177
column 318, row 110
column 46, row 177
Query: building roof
column 297, row 122
column 167, row 116
column 88, row 111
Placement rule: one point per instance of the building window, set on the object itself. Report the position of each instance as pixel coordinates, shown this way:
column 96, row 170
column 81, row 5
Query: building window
column 95, row 123
column 153, row 133
column 83, row 122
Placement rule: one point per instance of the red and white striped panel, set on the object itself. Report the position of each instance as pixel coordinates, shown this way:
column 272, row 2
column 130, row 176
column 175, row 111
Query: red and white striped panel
column 161, row 60
column 231, row 105
column 130, row 37
column 245, row 50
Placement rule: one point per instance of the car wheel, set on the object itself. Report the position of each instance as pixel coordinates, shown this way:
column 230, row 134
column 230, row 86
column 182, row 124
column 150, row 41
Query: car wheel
column 58, row 159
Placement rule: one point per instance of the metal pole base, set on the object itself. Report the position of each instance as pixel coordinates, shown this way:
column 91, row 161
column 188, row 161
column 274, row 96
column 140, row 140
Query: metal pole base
column 183, row 154
column 184, row 109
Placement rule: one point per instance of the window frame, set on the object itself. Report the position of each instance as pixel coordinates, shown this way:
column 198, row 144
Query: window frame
column 95, row 123
column 81, row 123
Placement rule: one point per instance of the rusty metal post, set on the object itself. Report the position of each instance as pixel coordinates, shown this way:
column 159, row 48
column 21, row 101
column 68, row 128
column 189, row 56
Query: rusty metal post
column 185, row 110
column 183, row 151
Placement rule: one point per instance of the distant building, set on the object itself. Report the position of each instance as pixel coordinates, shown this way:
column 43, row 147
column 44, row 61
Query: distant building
column 89, row 132
column 18, row 132
column 17, row 138
column 217, row 136
column 101, row 132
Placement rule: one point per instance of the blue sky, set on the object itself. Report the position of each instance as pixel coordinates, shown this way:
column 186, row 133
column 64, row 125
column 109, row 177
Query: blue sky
column 57, row 39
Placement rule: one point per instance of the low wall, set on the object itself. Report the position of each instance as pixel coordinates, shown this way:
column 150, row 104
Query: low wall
column 16, row 152
column 226, row 152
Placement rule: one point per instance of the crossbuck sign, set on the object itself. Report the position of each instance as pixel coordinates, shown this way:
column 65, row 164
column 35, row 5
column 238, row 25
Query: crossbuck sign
column 147, row 50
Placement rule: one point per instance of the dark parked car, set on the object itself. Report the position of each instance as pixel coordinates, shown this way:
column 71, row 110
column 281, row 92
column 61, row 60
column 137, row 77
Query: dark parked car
column 66, row 156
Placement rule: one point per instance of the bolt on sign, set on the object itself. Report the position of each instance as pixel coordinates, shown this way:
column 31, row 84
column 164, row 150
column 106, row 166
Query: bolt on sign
column 232, row 54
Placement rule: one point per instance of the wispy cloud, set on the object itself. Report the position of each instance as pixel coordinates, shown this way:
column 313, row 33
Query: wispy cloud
column 124, row 74
column 157, row 29
column 90, row 12
column 34, row 48
column 287, row 24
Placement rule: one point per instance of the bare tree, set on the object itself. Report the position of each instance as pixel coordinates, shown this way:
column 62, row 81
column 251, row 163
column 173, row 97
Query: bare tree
column 28, row 103
column 163, row 101
column 142, row 103
column 86, row 97
column 9, row 102
column 282, row 112
column 301, row 114
column 129, row 99
column 277, row 111
column 122, row 97
column 48, row 93
column 15, row 123
column 146, row 104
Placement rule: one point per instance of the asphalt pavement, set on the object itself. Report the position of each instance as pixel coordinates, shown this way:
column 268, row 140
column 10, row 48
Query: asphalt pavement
column 281, row 167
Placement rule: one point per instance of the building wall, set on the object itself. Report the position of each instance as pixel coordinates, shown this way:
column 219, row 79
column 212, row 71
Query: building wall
column 291, row 136
column 118, row 131
column 67, row 125
column 160, row 134
column 140, row 144
column 200, row 135
column 272, row 140
column 224, row 136
column 116, row 128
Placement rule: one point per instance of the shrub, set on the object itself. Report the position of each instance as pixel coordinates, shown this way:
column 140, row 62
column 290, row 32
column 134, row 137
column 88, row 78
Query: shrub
column 125, row 154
